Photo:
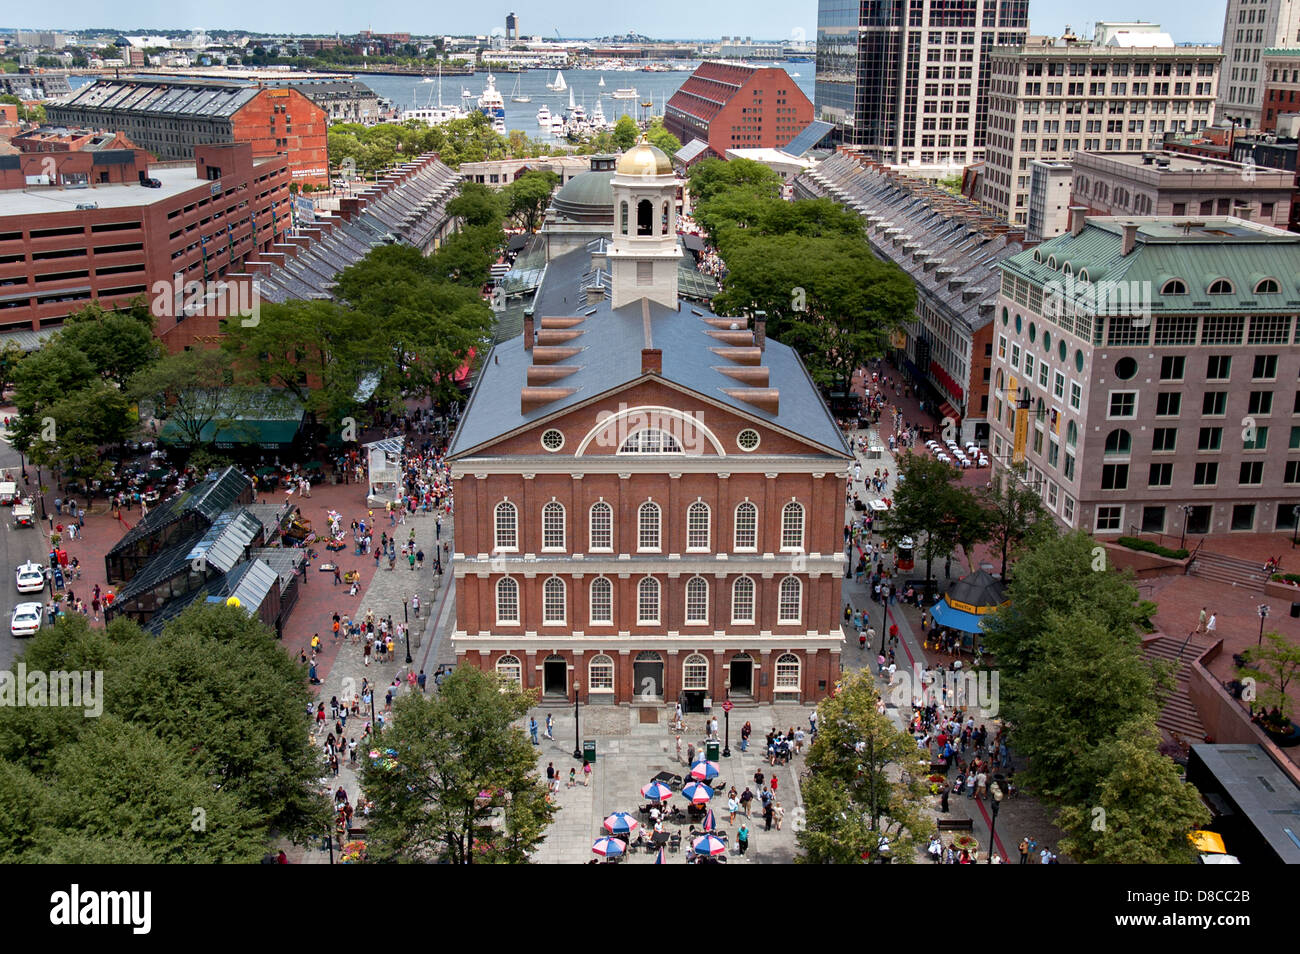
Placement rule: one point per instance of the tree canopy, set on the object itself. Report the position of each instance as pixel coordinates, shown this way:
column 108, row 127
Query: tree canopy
column 528, row 196
column 931, row 506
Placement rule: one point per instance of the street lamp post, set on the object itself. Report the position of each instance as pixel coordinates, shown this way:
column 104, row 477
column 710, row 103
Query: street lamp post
column 1263, row 615
column 1295, row 512
column 577, row 734
column 407, row 636
column 1187, row 513
column 726, row 715
column 996, row 790
column 884, row 620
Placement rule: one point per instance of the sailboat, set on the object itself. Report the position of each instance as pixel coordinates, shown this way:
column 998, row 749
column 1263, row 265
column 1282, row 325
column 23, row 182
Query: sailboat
column 490, row 103
column 575, row 113
column 601, row 84
column 598, row 120
column 558, row 85
column 518, row 97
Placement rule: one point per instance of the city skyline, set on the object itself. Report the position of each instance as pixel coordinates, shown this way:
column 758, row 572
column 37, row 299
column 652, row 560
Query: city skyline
column 765, row 19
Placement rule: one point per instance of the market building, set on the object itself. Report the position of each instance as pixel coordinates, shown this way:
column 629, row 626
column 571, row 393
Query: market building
column 649, row 497
column 737, row 106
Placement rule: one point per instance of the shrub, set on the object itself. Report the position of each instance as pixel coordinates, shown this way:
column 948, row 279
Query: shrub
column 1146, row 546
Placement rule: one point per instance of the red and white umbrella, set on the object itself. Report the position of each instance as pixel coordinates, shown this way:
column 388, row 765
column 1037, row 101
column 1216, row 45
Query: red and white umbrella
column 608, row 847
column 698, row 793
column 708, row 845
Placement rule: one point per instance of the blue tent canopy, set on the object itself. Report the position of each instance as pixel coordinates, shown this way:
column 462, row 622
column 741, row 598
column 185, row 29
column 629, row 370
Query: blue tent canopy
column 945, row 615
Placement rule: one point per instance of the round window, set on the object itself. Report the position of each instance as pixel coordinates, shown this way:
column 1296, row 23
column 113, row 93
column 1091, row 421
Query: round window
column 1078, row 361
column 553, row 440
column 1018, row 324
column 1004, row 317
column 1047, row 342
column 1062, row 350
column 1125, row 368
column 1033, row 333
column 747, row 440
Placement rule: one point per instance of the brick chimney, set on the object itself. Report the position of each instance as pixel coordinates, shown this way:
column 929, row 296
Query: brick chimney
column 1130, row 233
column 760, row 331
column 652, row 361
column 528, row 332
column 1077, row 213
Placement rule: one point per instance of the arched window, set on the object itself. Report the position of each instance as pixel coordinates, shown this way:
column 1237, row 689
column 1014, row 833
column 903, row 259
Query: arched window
column 600, row 674
column 647, row 526
column 663, row 226
column 787, row 673
column 742, row 600
column 1119, row 441
column 1267, row 286
column 1051, row 261
column 697, row 526
column 507, row 526
column 746, row 526
column 601, row 526
column 507, row 602
column 1220, row 286
column 651, row 441
column 602, row 602
column 508, row 668
column 553, row 601
column 790, row 604
column 647, row 601
column 792, row 526
column 645, row 213
column 1174, row 286
column 553, row 526
column 623, row 219
column 695, row 672
column 697, row 600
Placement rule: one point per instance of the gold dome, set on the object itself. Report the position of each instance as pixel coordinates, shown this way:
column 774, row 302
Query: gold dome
column 644, row 159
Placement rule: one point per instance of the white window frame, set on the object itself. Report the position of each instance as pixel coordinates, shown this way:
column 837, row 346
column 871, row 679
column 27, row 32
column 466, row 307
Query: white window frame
column 1111, row 395
column 512, row 671
column 692, row 529
column 792, row 507
column 1096, row 522
column 748, row 506
column 1076, row 395
column 608, row 618
column 643, row 587
column 498, row 530
column 604, row 664
column 782, row 604
column 550, row 586
column 691, row 669
column 787, row 673
column 698, row 619
column 507, row 620
column 737, row 620
column 607, row 530
column 549, row 530
column 643, row 530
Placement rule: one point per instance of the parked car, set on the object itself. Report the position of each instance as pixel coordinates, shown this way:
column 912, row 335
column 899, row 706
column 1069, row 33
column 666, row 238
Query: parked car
column 30, row 578
column 26, row 619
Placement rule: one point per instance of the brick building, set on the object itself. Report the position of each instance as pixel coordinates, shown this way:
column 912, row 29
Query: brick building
column 730, row 105
column 171, row 117
column 99, row 234
column 650, row 498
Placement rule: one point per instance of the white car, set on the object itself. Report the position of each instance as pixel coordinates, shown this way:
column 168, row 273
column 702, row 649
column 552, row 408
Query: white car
column 26, row 619
column 30, row 578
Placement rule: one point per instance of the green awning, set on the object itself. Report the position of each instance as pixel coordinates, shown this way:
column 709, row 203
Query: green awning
column 272, row 435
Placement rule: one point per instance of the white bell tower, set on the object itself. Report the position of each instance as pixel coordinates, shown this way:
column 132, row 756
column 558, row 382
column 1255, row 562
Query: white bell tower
column 644, row 256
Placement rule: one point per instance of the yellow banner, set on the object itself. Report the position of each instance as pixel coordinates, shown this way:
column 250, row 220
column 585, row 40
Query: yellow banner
column 899, row 341
column 1022, row 435
column 972, row 608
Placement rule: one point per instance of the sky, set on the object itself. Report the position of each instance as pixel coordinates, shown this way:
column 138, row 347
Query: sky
column 765, row 19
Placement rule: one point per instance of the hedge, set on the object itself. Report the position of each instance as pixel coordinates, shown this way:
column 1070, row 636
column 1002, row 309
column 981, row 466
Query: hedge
column 1137, row 543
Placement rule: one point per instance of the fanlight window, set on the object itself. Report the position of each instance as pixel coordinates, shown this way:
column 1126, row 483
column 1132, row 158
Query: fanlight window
column 1220, row 286
column 1175, row 286
column 651, row 441
column 1267, row 286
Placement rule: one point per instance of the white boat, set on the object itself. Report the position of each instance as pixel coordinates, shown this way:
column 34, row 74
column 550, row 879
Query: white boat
column 598, row 120
column 575, row 114
column 428, row 79
column 557, row 126
column 490, row 104
column 624, row 93
column 428, row 113
column 601, row 84
column 518, row 97
column 499, row 126
column 558, row 84
column 544, row 116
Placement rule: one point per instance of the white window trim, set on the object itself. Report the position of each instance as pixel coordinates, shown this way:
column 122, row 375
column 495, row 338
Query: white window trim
column 1137, row 401
column 708, row 527
column 753, row 602
column 788, row 620
column 608, row 690
column 590, row 524
column 686, row 603
column 496, row 510
column 659, row 599
column 591, row 618
column 1096, row 518
column 707, row 673
column 776, row 681
column 659, row 528
column 735, row 526
column 565, row 590
column 496, row 599
column 564, row 530
column 803, row 527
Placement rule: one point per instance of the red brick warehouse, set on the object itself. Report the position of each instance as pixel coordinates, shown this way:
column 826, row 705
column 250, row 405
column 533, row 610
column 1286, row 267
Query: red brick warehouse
column 733, row 106
column 649, row 497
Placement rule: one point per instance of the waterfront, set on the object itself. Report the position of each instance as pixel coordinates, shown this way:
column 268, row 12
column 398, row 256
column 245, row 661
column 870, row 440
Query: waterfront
column 410, row 91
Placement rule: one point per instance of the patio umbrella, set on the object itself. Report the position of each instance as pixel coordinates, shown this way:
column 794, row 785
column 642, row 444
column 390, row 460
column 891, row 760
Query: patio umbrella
column 710, row 820
column 659, row 858
column 621, row 823
column 657, row 791
column 708, row 845
column 697, row 792
column 609, row 847
column 703, row 770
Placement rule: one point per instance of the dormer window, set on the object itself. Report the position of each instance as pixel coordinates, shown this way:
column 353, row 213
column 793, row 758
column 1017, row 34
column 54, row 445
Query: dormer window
column 1220, row 286
column 1175, row 286
column 1051, row 261
column 1268, row 286
column 1067, row 268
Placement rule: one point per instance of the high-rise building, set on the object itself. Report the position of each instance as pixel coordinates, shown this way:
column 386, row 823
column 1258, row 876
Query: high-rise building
column 907, row 80
column 1120, row 92
column 512, row 26
column 1250, row 27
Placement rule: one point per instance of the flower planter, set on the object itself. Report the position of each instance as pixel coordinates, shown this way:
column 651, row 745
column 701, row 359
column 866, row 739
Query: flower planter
column 1285, row 739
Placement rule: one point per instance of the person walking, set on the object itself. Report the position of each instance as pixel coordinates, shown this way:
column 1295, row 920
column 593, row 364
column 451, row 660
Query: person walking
column 742, row 838
column 415, row 605
column 573, row 777
column 1210, row 625
column 586, row 773
column 768, row 816
column 733, row 806
column 550, row 727
column 532, row 729
column 778, row 813
column 1200, row 622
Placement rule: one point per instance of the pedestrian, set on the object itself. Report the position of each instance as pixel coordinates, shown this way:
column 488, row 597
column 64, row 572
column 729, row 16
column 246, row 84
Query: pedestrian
column 1024, row 851
column 415, row 605
column 532, row 729
column 550, row 727
column 338, row 578
column 1209, row 626
column 742, row 838
column 733, row 806
column 573, row 777
column 586, row 773
column 744, row 737
column 420, row 680
column 768, row 816
column 773, row 784
column 778, row 813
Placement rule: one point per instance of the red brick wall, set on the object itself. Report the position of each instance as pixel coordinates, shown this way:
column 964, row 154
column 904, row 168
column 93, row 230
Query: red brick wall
column 302, row 123
column 767, row 91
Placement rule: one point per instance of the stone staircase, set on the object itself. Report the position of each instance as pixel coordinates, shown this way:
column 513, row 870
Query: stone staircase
column 1179, row 716
column 1231, row 570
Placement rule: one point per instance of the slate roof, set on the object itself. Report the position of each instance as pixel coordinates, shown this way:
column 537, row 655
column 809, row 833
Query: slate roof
column 612, row 342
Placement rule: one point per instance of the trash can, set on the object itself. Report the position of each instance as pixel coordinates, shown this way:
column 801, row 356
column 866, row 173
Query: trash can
column 711, row 750
column 1295, row 610
column 589, row 752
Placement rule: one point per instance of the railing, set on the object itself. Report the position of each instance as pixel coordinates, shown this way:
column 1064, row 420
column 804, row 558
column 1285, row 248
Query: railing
column 1191, row 559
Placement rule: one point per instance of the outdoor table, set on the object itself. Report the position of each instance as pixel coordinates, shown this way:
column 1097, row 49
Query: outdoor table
column 660, row 838
column 669, row 779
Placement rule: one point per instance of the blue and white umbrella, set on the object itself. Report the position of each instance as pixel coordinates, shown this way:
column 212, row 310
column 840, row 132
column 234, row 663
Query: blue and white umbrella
column 710, row 820
column 708, row 845
column 657, row 791
column 659, row 858
column 703, row 770
column 697, row 792
column 621, row 823
column 609, row 847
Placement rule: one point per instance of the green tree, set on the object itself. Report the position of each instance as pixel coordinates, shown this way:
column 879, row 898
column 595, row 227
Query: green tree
column 712, row 177
column 449, row 748
column 625, row 133
column 1140, row 811
column 528, row 196
column 195, row 391
column 118, row 343
column 74, row 428
column 11, row 352
column 931, row 506
column 1274, row 665
column 1014, row 515
column 477, row 204
column 657, row 135
column 861, row 792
